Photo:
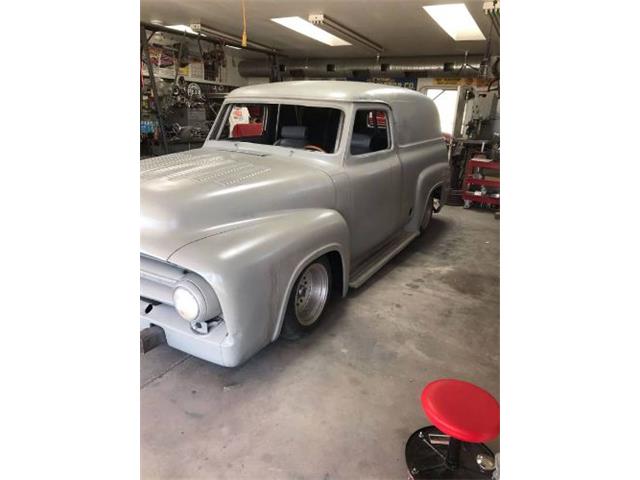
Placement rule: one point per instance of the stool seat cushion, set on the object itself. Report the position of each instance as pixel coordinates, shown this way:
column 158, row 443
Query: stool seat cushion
column 462, row 410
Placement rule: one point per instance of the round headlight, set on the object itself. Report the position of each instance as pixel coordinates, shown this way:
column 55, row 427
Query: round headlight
column 185, row 303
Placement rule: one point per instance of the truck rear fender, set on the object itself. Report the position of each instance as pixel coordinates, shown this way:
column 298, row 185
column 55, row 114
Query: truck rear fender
column 429, row 180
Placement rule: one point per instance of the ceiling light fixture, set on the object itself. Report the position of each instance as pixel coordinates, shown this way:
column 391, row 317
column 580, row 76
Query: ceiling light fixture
column 456, row 20
column 308, row 29
column 322, row 20
column 183, row 28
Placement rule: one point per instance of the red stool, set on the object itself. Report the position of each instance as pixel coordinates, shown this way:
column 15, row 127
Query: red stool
column 463, row 416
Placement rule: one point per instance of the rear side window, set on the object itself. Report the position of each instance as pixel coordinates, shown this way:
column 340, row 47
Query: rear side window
column 370, row 132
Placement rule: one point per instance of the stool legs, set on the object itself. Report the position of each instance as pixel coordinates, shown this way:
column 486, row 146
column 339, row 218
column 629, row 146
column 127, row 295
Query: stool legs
column 453, row 453
column 430, row 454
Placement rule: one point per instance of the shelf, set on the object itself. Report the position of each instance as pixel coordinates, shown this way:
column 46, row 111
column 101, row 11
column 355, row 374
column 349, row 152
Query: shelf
column 192, row 80
column 479, row 181
column 480, row 198
column 480, row 163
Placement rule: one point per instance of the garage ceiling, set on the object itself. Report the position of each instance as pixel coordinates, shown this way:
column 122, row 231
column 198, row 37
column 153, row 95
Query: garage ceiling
column 402, row 27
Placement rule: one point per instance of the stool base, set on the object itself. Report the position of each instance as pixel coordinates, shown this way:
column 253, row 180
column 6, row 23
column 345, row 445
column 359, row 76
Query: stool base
column 426, row 460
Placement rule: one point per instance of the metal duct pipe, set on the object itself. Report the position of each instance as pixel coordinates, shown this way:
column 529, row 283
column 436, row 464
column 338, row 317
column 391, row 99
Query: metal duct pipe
column 440, row 66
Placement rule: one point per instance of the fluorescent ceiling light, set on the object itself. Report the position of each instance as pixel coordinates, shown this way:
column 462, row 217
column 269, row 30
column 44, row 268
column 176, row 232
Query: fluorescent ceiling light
column 304, row 27
column 183, row 28
column 456, row 20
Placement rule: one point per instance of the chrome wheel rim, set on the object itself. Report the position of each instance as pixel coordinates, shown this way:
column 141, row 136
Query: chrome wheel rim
column 311, row 294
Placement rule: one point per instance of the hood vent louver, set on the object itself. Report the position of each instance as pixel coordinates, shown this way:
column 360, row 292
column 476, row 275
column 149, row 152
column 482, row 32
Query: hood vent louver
column 199, row 168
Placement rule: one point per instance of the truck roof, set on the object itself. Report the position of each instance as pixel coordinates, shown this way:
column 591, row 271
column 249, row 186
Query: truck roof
column 416, row 115
column 326, row 90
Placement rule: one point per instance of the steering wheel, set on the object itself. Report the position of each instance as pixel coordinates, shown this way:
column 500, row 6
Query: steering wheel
column 314, row 148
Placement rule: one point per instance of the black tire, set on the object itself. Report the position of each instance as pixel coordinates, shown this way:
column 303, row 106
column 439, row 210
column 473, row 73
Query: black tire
column 296, row 324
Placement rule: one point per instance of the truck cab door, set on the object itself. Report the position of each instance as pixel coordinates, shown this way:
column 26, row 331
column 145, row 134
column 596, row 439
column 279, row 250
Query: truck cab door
column 373, row 168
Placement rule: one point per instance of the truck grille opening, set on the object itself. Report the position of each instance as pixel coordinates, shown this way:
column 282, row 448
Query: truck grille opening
column 151, row 304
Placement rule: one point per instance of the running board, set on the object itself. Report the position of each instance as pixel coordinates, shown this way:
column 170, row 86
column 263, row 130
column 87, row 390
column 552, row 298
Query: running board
column 380, row 258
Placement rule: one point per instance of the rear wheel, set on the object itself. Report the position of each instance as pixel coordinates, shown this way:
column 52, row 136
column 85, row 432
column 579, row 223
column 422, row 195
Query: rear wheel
column 308, row 299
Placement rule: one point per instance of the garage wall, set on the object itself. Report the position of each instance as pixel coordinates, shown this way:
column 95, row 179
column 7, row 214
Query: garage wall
column 164, row 45
column 257, row 80
column 230, row 75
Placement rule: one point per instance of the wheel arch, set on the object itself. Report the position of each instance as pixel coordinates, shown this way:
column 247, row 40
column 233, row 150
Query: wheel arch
column 336, row 257
column 430, row 180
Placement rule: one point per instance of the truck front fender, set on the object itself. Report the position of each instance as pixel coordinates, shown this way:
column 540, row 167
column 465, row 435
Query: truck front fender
column 252, row 268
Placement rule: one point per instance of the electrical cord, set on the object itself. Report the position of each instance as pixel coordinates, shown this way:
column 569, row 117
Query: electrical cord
column 244, row 25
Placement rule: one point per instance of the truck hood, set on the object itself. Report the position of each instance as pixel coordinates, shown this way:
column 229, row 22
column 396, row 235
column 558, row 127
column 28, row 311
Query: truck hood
column 191, row 195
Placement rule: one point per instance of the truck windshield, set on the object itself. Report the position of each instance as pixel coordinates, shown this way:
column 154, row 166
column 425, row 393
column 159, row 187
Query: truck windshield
column 290, row 126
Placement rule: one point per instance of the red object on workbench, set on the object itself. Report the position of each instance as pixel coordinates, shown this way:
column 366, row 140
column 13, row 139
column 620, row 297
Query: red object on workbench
column 482, row 164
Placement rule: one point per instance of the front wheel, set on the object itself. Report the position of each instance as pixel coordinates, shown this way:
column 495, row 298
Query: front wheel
column 308, row 299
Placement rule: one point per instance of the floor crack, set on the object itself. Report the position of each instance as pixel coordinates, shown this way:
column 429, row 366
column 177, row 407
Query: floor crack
column 163, row 373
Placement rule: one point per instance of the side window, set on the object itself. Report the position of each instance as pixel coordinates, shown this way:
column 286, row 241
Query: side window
column 370, row 132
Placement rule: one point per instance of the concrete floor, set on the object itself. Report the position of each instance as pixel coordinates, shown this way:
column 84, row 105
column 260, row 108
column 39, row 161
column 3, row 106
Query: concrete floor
column 341, row 402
